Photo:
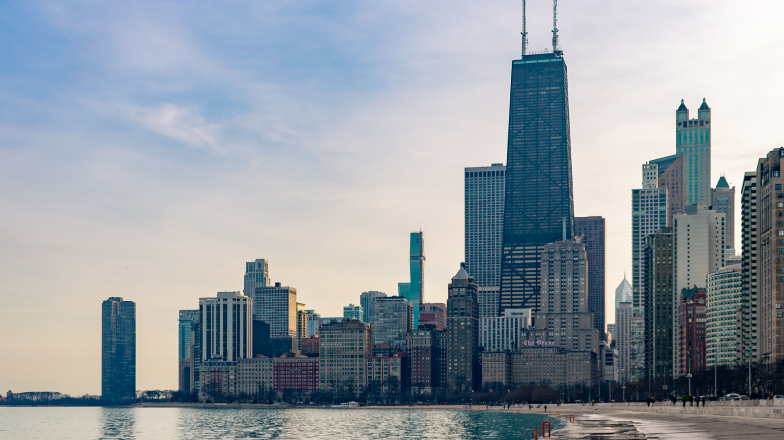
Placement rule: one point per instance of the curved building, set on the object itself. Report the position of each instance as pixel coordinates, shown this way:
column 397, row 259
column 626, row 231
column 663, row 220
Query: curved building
column 725, row 291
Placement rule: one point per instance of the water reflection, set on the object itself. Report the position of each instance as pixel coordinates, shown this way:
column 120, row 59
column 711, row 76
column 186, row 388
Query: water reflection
column 117, row 423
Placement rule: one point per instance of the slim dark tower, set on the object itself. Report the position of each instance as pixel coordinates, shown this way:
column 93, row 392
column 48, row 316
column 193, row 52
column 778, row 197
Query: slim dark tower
column 118, row 349
column 539, row 206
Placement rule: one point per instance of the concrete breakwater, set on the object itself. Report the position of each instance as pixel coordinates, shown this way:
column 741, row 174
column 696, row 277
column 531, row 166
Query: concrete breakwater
column 765, row 412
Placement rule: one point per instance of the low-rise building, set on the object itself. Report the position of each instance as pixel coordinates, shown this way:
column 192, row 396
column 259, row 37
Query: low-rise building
column 386, row 373
column 295, row 373
column 254, row 375
column 554, row 366
column 218, row 381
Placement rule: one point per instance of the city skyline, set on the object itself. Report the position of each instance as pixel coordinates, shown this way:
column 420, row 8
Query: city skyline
column 144, row 189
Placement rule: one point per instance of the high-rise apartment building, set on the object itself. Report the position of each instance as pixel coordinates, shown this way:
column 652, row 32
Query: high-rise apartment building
column 484, row 223
column 186, row 325
column 501, row 333
column 393, row 318
column 414, row 291
column 345, row 346
column 277, row 306
column 693, row 141
column 623, row 341
column 302, row 321
column 434, row 314
column 699, row 251
column 659, row 257
column 463, row 368
column 426, row 350
column 749, row 251
column 649, row 214
column 623, row 293
column 538, row 199
column 593, row 232
column 366, row 300
column 226, row 327
column 770, row 261
column 353, row 312
column 691, row 331
column 669, row 175
column 723, row 200
column 612, row 329
column 725, row 296
column 564, row 318
column 118, row 349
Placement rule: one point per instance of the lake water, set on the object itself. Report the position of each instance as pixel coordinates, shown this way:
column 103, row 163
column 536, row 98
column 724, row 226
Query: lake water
column 24, row 423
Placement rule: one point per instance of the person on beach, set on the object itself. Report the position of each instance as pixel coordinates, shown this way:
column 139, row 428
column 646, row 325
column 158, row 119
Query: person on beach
column 684, row 399
column 545, row 408
column 649, row 402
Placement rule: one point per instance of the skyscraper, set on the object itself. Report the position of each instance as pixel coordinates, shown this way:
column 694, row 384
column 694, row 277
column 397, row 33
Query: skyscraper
column 484, row 223
column 227, row 327
column 538, row 200
column 623, row 322
column 723, row 200
column 725, row 292
column 392, row 320
column 593, row 231
column 414, row 291
column 623, row 293
column 187, row 320
column 118, row 349
column 462, row 354
column 649, row 213
column 366, row 301
column 256, row 275
column 659, row 255
column 693, row 141
column 670, row 176
column 353, row 312
column 749, row 250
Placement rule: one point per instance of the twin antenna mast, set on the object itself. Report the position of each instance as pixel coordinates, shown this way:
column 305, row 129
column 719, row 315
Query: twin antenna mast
column 524, row 33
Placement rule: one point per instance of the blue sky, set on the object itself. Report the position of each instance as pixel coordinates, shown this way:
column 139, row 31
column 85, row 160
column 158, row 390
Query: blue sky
column 149, row 149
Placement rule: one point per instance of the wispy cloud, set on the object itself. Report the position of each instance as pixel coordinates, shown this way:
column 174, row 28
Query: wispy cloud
column 177, row 122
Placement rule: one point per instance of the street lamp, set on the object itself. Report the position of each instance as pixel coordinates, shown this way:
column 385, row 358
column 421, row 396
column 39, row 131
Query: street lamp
column 624, row 392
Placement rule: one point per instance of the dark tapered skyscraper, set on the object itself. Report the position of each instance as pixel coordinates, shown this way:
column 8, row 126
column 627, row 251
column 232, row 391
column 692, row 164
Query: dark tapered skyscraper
column 539, row 207
column 118, row 349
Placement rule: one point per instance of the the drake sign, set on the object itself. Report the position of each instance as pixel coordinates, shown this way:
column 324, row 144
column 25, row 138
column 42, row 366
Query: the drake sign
column 539, row 343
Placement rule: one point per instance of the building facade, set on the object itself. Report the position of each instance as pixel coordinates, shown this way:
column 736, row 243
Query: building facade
column 118, row 349
column 226, row 327
column 770, row 253
column 538, row 199
column 699, row 251
column 623, row 341
column 659, row 270
column 295, row 373
column 463, row 370
column 693, row 141
column 593, row 231
column 489, row 301
column 724, row 302
column 345, row 346
column 649, row 214
column 414, row 290
column 670, row 176
column 503, row 332
column 366, row 300
column 277, row 306
column 691, row 331
column 386, row 373
column 496, row 368
column 554, row 366
column 393, row 319
column 433, row 314
column 426, row 351
column 256, row 275
column 254, row 376
column 484, row 223
column 749, row 251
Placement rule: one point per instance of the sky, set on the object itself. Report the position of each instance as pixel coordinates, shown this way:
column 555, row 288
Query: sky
column 148, row 149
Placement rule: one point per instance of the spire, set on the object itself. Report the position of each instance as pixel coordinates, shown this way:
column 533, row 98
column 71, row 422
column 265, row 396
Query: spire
column 524, row 33
column 704, row 105
column 682, row 108
column 555, row 29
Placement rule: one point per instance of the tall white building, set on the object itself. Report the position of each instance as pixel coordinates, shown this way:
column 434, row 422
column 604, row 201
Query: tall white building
column 699, row 251
column 503, row 332
column 484, row 223
column 256, row 275
column 623, row 293
column 725, row 296
column 226, row 325
column 650, row 206
column 489, row 301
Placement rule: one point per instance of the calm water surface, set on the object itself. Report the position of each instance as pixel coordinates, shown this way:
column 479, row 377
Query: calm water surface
column 229, row 424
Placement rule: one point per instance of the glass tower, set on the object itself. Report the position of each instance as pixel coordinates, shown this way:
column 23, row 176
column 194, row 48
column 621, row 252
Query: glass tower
column 118, row 349
column 538, row 202
column 414, row 291
column 693, row 140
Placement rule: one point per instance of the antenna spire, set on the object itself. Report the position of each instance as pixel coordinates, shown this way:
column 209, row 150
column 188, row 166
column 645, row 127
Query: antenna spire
column 524, row 33
column 555, row 29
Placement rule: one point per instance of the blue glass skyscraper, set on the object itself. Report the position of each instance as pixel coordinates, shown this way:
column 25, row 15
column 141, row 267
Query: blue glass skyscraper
column 414, row 291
